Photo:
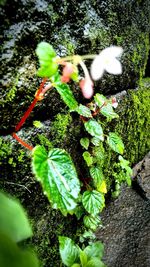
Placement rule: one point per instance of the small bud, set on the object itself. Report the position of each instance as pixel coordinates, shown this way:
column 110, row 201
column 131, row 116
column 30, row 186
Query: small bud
column 114, row 102
column 67, row 72
column 86, row 86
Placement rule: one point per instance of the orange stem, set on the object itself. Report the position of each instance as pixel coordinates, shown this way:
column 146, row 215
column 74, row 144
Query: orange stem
column 27, row 113
column 14, row 135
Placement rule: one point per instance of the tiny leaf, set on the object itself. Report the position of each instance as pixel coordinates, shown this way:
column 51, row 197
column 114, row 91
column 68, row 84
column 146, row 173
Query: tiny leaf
column 68, row 250
column 88, row 158
column 100, row 99
column 92, row 222
column 93, row 201
column 94, row 128
column 84, row 111
column 115, row 143
column 84, row 142
column 95, row 141
column 108, row 112
column 58, row 177
column 97, row 175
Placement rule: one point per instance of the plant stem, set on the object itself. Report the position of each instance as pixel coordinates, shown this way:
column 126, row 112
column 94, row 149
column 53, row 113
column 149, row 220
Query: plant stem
column 14, row 135
column 27, row 113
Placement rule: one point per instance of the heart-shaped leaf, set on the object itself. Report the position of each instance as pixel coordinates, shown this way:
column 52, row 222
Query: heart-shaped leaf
column 94, row 128
column 84, row 111
column 93, row 201
column 108, row 112
column 92, row 222
column 115, row 142
column 57, row 174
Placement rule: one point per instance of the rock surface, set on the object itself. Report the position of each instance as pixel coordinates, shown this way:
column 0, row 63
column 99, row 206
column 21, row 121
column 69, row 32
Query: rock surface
column 126, row 220
column 76, row 27
column 80, row 27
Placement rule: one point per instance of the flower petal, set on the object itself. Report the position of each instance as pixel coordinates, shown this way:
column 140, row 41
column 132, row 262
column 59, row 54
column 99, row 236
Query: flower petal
column 97, row 68
column 113, row 67
column 112, row 52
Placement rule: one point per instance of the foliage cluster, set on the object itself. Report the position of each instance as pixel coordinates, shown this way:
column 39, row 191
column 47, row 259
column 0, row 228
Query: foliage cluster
column 55, row 170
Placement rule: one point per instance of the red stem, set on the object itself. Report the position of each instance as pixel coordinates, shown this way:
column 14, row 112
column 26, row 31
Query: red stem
column 14, row 135
column 27, row 113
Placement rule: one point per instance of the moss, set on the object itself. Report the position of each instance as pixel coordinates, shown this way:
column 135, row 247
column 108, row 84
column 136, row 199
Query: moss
column 134, row 128
column 60, row 127
column 5, row 150
column 137, row 59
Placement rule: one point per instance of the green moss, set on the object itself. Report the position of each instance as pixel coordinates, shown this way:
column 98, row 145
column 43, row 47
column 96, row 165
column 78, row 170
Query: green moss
column 60, row 127
column 44, row 141
column 141, row 49
column 135, row 125
column 5, row 150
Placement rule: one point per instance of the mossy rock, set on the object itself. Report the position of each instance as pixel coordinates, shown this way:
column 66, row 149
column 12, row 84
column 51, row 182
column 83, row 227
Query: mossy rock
column 26, row 23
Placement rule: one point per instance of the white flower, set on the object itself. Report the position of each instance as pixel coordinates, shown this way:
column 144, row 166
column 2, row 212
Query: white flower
column 107, row 61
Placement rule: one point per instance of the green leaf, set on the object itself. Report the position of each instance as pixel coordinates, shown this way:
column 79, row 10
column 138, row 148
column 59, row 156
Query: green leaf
column 94, row 128
column 46, row 55
column 92, row 222
column 95, row 141
column 45, row 52
column 95, row 262
column 125, row 165
column 83, row 258
column 48, row 70
column 84, row 111
column 93, row 201
column 108, row 112
column 88, row 158
column 99, row 153
column 68, row 250
column 96, row 249
column 66, row 94
column 84, row 142
column 100, row 99
column 76, row 265
column 38, row 124
column 13, row 219
column 56, row 172
column 115, row 142
column 97, row 175
column 12, row 256
column 78, row 211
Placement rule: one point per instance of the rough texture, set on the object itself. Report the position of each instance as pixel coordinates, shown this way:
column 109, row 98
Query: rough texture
column 71, row 27
column 126, row 227
column 141, row 177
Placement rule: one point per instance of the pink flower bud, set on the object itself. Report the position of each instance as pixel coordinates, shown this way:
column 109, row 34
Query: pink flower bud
column 67, row 71
column 114, row 102
column 86, row 86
